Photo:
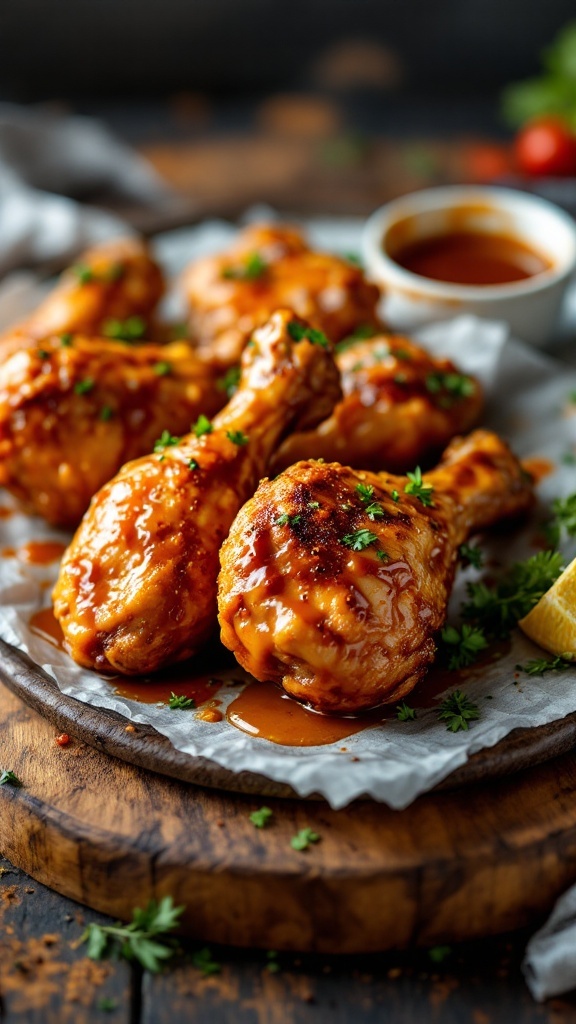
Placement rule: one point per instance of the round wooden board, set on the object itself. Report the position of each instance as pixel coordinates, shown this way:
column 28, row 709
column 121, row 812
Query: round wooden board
column 147, row 748
column 456, row 864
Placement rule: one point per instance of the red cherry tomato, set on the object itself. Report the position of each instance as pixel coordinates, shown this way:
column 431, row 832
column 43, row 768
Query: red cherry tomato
column 546, row 147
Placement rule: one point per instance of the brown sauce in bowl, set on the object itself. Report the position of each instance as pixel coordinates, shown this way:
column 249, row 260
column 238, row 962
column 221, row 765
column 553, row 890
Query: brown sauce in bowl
column 471, row 258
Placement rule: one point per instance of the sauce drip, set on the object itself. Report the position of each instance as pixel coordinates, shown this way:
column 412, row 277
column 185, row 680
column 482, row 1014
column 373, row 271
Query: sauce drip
column 264, row 710
column 45, row 625
column 158, row 689
column 471, row 258
column 38, row 552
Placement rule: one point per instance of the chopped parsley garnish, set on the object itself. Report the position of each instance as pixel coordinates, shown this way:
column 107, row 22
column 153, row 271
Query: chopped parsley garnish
column 457, row 711
column 394, row 495
column 313, row 504
column 464, row 645
column 286, row 520
column 438, row 954
column 8, row 778
column 138, row 940
column 254, row 266
column 365, row 491
column 66, row 339
column 401, row 353
column 360, row 333
column 359, row 540
column 106, row 1005
column 261, row 817
column 43, row 354
column 563, row 519
column 192, row 464
column 229, row 382
column 237, row 437
column 131, row 329
column 83, row 272
column 106, row 413
column 383, row 556
column 374, row 510
column 272, row 966
column 205, row 962
column 538, row 666
column 497, row 609
column 404, row 713
column 418, row 488
column 299, row 331
column 82, row 387
column 400, row 378
column 471, row 555
column 166, row 440
column 162, row 369
column 451, row 386
column 202, row 426
column 303, row 839
column 178, row 702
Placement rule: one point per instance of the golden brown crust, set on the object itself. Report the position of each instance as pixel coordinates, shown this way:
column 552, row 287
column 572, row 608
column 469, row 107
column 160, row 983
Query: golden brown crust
column 226, row 303
column 342, row 629
column 400, row 405
column 137, row 586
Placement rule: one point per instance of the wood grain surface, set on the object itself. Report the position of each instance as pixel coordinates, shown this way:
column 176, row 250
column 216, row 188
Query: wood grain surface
column 456, row 864
column 106, row 730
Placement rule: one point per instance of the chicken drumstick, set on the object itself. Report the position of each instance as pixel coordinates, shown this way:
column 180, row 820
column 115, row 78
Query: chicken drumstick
column 137, row 587
column 334, row 582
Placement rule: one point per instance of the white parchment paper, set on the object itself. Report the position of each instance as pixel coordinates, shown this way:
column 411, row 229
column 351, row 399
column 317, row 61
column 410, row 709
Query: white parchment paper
column 528, row 402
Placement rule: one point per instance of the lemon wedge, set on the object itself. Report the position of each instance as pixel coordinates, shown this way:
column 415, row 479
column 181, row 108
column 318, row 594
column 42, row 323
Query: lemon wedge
column 552, row 622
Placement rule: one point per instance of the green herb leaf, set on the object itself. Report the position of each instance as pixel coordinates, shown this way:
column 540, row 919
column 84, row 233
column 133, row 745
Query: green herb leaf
column 405, row 713
column 303, row 839
column 177, row 703
column 205, row 962
column 470, row 555
column 237, row 437
column 261, row 818
column 418, row 488
column 83, row 273
column 299, row 331
column 106, row 413
column 230, row 381
column 497, row 609
column 286, row 520
column 383, row 556
column 457, row 711
column 66, row 340
column 166, row 440
column 106, row 1005
column 359, row 540
column 365, row 492
column 374, row 511
column 453, row 386
column 8, row 778
column 272, row 966
column 162, row 369
column 202, row 426
column 43, row 354
column 83, row 387
column 132, row 329
column 135, row 941
column 438, row 954
column 314, row 504
column 538, row 666
column 563, row 519
column 254, row 266
column 395, row 496
column 465, row 645
column 193, row 464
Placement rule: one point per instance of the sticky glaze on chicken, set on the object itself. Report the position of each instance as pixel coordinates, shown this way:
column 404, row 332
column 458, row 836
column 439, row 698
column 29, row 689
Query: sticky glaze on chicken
column 137, row 587
column 400, row 404
column 112, row 288
column 72, row 414
column 334, row 582
column 266, row 268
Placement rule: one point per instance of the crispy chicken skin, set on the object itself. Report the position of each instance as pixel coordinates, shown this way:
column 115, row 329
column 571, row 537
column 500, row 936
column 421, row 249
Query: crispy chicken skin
column 343, row 630
column 71, row 415
column 400, row 404
column 137, row 586
column 266, row 268
column 110, row 282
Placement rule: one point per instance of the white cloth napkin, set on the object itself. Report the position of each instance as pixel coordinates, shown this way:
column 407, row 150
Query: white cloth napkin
column 550, row 962
column 50, row 167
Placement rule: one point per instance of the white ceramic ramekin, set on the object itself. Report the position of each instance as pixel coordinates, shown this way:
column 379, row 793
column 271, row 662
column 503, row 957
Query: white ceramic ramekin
column 531, row 306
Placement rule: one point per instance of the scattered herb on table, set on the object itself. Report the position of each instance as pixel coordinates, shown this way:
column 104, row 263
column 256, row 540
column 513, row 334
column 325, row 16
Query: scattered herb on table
column 139, row 940
column 538, row 666
column 496, row 609
column 106, row 1005
column 404, row 713
column 8, row 778
column 178, row 702
column 272, row 965
column 304, row 838
column 563, row 519
column 205, row 962
column 261, row 817
column 438, row 954
column 457, row 710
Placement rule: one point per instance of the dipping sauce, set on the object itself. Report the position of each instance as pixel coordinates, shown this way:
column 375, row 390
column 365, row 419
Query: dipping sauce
column 471, row 258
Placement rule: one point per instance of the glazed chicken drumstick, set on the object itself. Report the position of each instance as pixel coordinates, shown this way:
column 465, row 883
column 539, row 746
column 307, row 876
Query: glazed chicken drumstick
column 110, row 286
column 334, row 582
column 137, row 586
column 399, row 405
column 72, row 414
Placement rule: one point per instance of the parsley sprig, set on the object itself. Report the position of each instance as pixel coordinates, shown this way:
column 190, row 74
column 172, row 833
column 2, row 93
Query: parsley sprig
column 359, row 540
column 404, row 713
column 497, row 609
column 261, row 817
column 470, row 554
column 253, row 267
column 463, row 645
column 287, row 520
column 304, row 838
column 137, row 941
column 299, row 331
column 563, row 520
column 237, row 437
column 202, row 426
column 538, row 666
column 8, row 778
column 131, row 329
column 457, row 710
column 166, row 440
column 180, row 701
column 418, row 488
column 449, row 387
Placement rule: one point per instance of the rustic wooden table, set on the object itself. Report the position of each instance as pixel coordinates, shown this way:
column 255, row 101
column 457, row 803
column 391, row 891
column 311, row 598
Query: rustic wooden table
column 303, row 154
